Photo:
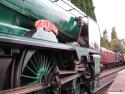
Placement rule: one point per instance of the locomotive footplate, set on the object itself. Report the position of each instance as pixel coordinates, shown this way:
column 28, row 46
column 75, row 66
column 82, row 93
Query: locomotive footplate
column 11, row 40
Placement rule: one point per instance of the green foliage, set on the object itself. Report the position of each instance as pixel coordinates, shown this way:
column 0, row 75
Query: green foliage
column 86, row 6
column 123, row 42
column 113, row 34
column 105, row 43
column 116, row 45
column 104, row 40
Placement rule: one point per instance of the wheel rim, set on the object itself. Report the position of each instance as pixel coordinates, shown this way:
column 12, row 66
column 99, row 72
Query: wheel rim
column 37, row 70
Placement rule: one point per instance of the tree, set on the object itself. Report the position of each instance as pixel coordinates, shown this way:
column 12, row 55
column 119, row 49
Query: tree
column 86, row 6
column 116, row 45
column 105, row 36
column 105, row 43
column 123, row 42
column 113, row 34
column 104, row 40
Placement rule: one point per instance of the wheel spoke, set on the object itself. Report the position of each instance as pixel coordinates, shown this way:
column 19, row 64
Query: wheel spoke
column 45, row 65
column 38, row 57
column 33, row 65
column 41, row 60
column 31, row 70
column 44, row 59
column 36, row 62
column 30, row 77
column 50, row 69
column 48, row 65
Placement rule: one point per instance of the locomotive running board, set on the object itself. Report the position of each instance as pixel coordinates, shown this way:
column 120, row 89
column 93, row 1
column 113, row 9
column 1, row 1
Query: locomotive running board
column 18, row 41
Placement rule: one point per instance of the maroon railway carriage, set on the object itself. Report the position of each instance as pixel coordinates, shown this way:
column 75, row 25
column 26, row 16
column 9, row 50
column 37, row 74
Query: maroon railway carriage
column 107, row 58
column 123, row 58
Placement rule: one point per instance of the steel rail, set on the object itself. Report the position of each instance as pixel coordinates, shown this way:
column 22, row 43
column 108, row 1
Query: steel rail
column 110, row 73
column 98, row 90
column 102, row 87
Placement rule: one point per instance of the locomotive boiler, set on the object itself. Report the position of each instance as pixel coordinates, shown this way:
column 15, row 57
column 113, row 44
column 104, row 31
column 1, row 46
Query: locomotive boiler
column 48, row 42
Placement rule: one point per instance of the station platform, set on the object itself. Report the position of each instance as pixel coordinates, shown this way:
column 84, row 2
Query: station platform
column 118, row 86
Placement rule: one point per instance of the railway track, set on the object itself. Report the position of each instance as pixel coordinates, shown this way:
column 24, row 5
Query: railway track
column 103, row 82
column 103, row 88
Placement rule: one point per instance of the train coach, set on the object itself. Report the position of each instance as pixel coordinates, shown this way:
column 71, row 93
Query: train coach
column 123, row 57
column 49, row 44
column 108, row 58
column 111, row 59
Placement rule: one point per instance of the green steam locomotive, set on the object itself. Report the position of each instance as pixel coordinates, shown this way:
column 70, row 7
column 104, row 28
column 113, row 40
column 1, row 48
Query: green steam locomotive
column 49, row 43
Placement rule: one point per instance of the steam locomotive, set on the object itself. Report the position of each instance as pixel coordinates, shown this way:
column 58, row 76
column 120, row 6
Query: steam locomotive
column 50, row 43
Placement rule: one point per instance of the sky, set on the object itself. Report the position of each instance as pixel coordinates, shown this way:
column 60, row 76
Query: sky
column 110, row 13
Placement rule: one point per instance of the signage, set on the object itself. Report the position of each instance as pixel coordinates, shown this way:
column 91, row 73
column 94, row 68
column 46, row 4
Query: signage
column 47, row 26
